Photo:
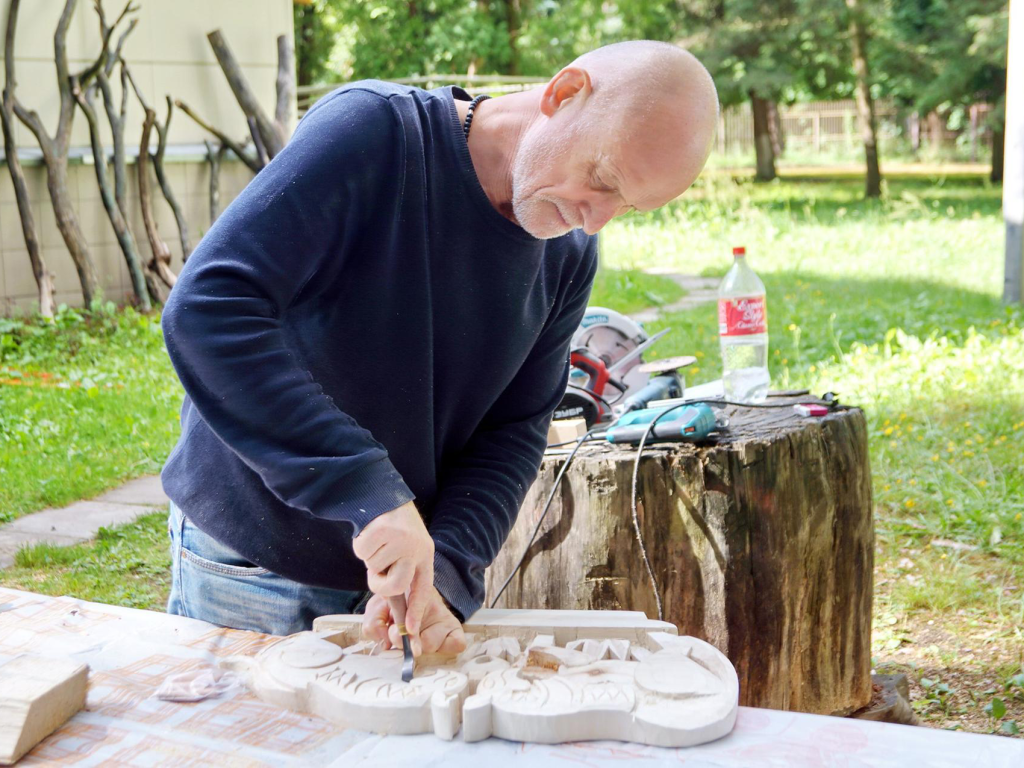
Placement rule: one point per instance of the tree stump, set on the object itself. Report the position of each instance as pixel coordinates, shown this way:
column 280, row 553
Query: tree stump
column 761, row 541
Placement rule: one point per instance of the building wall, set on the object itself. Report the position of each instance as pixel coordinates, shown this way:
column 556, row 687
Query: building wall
column 168, row 54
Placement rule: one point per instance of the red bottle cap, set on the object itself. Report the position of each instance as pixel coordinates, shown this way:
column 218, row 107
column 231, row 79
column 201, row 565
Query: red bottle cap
column 739, row 251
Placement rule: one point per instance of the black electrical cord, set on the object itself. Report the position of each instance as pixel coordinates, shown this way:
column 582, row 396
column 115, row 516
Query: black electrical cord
column 594, row 395
column 547, row 507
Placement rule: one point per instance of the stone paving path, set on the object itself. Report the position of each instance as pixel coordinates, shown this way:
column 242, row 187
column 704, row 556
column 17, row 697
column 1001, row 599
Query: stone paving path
column 699, row 290
column 82, row 520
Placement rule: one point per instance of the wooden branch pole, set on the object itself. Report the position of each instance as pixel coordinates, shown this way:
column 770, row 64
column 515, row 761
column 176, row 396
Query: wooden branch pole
column 234, row 146
column 114, row 199
column 162, row 130
column 761, row 543
column 43, row 276
column 285, row 85
column 55, row 148
column 114, row 212
column 214, row 156
column 160, row 264
column 269, row 132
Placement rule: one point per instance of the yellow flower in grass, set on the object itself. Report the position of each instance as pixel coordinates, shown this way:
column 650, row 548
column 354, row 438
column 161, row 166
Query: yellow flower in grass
column 888, row 431
column 968, row 453
column 982, row 483
column 909, row 503
column 950, row 502
column 935, row 457
column 1018, row 516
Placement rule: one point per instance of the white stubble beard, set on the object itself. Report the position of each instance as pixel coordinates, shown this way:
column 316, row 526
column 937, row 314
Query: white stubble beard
column 532, row 211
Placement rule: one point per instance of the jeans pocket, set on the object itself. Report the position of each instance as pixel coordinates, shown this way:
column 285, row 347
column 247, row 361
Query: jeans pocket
column 224, row 569
column 204, row 551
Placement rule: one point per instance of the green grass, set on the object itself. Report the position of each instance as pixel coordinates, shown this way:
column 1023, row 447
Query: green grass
column 128, row 565
column 630, row 290
column 86, row 401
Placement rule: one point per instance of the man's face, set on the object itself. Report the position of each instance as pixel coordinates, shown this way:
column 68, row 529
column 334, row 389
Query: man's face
column 581, row 174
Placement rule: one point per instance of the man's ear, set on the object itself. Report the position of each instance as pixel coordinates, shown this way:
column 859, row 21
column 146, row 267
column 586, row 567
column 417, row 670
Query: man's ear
column 570, row 82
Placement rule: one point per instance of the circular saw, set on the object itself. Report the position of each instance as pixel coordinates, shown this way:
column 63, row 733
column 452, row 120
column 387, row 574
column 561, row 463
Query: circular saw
column 605, row 358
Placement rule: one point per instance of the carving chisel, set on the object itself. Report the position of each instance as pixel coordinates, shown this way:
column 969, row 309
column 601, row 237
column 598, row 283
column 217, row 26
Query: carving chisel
column 398, row 607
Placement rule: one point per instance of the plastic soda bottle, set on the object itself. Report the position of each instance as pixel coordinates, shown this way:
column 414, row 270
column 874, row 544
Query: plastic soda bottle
column 743, row 331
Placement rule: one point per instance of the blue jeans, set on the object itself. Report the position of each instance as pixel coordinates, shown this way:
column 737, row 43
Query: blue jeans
column 212, row 582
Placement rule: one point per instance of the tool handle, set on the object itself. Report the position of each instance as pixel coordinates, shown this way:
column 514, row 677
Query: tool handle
column 398, row 607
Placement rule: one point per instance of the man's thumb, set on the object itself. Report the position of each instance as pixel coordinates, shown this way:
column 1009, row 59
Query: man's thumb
column 419, row 598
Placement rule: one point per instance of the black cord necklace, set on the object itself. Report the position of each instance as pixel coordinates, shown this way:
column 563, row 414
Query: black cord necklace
column 469, row 113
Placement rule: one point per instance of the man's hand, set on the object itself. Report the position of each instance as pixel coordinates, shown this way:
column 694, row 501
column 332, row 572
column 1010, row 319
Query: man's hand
column 399, row 557
column 441, row 632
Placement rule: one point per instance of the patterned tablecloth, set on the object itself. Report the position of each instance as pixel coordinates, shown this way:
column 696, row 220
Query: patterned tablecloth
column 130, row 652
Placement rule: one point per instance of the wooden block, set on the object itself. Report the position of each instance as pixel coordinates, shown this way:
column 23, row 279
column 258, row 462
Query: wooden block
column 683, row 693
column 37, row 696
column 564, row 430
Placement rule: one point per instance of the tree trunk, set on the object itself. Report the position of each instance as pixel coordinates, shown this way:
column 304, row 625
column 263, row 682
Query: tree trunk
column 775, row 129
column 762, row 139
column 514, row 23
column 762, row 543
column 865, row 104
column 914, row 124
column 998, row 146
column 44, row 278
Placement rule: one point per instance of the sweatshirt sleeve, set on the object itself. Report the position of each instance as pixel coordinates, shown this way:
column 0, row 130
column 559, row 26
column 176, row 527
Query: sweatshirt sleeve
column 283, row 240
column 482, row 492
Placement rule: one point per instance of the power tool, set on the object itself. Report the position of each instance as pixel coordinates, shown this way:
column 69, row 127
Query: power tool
column 606, row 368
column 689, row 422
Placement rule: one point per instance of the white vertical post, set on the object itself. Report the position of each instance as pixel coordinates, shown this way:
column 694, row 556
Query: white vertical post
column 1013, row 162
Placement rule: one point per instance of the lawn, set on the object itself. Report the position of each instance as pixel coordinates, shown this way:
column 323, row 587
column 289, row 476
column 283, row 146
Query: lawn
column 894, row 304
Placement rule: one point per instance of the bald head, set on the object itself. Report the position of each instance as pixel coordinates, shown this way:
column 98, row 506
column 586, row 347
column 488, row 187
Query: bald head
column 627, row 126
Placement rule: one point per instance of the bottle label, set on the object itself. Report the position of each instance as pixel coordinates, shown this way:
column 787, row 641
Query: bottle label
column 742, row 316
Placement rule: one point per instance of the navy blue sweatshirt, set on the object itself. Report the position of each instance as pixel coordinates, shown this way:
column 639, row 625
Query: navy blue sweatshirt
column 361, row 328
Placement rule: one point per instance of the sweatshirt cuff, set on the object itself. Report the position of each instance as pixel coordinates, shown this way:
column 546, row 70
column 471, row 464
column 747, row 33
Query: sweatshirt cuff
column 454, row 591
column 367, row 493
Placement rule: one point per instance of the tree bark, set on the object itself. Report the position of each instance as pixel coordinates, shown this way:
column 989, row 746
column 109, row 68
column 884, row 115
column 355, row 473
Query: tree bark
column 998, row 146
column 865, row 104
column 55, row 148
column 114, row 199
column 43, row 277
column 165, row 183
column 762, row 139
column 214, row 157
column 914, row 124
column 160, row 264
column 285, row 86
column 234, row 146
column 271, row 133
column 775, row 129
column 514, row 23
column 761, row 542
column 114, row 211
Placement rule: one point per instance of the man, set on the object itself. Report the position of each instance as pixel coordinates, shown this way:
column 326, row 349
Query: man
column 374, row 334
